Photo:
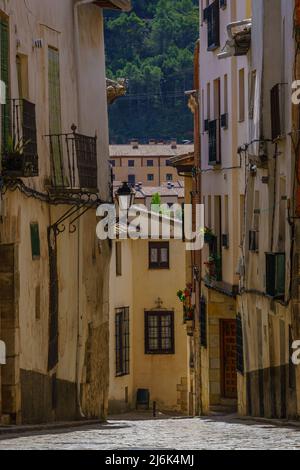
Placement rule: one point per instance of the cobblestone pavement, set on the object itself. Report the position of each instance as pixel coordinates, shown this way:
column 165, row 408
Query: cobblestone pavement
column 175, row 434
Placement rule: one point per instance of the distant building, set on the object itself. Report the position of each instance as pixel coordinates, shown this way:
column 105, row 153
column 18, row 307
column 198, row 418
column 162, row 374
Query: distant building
column 146, row 164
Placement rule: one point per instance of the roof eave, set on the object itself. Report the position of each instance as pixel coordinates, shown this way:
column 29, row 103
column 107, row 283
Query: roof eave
column 122, row 5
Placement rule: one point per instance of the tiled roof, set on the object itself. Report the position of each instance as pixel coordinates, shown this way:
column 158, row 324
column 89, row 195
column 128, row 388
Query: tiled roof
column 157, row 150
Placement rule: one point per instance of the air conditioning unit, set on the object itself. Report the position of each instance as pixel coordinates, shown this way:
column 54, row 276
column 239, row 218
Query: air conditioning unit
column 224, row 121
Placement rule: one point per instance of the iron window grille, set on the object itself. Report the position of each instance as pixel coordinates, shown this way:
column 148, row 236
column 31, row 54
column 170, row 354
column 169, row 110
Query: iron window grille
column 73, row 161
column 239, row 345
column 122, row 342
column 214, row 155
column 19, row 148
column 203, row 323
column 159, row 255
column 159, row 333
column 213, row 26
column 275, row 275
column 277, row 111
column 253, row 240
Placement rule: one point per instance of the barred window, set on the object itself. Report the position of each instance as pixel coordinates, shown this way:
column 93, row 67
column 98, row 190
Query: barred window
column 122, row 342
column 159, row 333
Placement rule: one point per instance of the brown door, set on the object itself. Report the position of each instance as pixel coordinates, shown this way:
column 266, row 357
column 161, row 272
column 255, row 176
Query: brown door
column 228, row 358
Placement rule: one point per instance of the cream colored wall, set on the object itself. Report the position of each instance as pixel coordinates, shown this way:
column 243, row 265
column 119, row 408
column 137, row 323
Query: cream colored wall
column 82, row 262
column 139, row 288
column 140, row 170
column 160, row 374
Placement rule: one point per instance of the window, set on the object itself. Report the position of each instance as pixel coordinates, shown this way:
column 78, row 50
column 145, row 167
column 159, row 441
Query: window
column 214, row 154
column 239, row 345
column 168, row 163
column 122, row 341
column 275, row 274
column 242, row 95
column 169, row 177
column 159, row 255
column 118, row 259
column 35, row 241
column 131, row 163
column 22, row 74
column 150, row 163
column 113, row 163
column 213, row 25
column 150, row 177
column 159, row 333
column 131, row 179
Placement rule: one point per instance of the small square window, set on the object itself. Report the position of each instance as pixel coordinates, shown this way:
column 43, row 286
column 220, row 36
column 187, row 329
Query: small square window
column 35, row 241
column 169, row 177
column 113, row 163
column 131, row 163
column 159, row 255
column 150, row 177
column 131, row 179
column 150, row 163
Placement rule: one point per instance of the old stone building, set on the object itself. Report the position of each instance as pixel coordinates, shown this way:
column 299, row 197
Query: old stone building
column 54, row 274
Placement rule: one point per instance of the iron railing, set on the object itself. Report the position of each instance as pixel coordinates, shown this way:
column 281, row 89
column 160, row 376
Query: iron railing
column 73, row 161
column 19, row 139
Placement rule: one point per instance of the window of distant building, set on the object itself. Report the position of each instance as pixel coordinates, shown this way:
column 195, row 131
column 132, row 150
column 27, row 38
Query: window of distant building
column 150, row 163
column 131, row 163
column 159, row 333
column 131, row 179
column 122, row 341
column 150, row 177
column 159, row 255
column 169, row 177
column 113, row 163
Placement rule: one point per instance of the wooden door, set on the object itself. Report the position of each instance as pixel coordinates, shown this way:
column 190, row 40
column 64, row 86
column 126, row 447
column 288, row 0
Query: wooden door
column 228, row 358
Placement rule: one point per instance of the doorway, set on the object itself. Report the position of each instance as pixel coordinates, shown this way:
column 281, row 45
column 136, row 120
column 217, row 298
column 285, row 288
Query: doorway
column 228, row 359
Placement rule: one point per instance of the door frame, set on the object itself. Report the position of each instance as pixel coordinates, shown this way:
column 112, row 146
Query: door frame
column 222, row 358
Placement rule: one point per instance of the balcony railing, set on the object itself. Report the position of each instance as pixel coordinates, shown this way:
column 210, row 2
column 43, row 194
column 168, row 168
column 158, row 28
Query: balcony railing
column 213, row 25
column 73, row 161
column 19, row 136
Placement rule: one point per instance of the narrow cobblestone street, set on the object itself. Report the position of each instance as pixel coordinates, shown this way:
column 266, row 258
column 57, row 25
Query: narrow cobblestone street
column 214, row 433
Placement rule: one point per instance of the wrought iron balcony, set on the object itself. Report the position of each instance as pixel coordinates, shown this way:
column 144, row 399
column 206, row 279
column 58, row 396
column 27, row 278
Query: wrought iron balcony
column 73, row 161
column 19, row 136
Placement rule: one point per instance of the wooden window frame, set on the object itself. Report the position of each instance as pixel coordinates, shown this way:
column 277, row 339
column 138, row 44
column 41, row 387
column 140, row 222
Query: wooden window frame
column 159, row 246
column 160, row 350
column 122, row 344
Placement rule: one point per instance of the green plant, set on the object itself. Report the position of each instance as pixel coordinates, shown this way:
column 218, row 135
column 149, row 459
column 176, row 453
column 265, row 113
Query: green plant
column 15, row 147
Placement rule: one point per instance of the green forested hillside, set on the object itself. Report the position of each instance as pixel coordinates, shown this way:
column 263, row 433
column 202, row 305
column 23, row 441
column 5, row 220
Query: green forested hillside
column 153, row 48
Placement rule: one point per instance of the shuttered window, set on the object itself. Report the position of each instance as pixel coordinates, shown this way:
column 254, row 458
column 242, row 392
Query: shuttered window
column 4, row 71
column 35, row 241
column 239, row 344
column 54, row 103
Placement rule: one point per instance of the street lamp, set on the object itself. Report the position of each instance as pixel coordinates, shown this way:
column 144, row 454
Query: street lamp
column 125, row 196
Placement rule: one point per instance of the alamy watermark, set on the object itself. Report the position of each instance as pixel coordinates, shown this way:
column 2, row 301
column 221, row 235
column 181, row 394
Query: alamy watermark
column 185, row 223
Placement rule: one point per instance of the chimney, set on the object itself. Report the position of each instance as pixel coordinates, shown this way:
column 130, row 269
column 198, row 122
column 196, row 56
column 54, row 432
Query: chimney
column 134, row 143
column 173, row 144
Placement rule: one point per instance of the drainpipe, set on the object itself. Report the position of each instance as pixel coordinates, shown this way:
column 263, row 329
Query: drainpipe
column 77, row 54
column 77, row 62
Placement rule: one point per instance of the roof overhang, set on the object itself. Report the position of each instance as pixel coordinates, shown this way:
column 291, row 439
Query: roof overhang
column 123, row 5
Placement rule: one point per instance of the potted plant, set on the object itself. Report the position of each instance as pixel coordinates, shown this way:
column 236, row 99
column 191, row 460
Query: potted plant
column 13, row 156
